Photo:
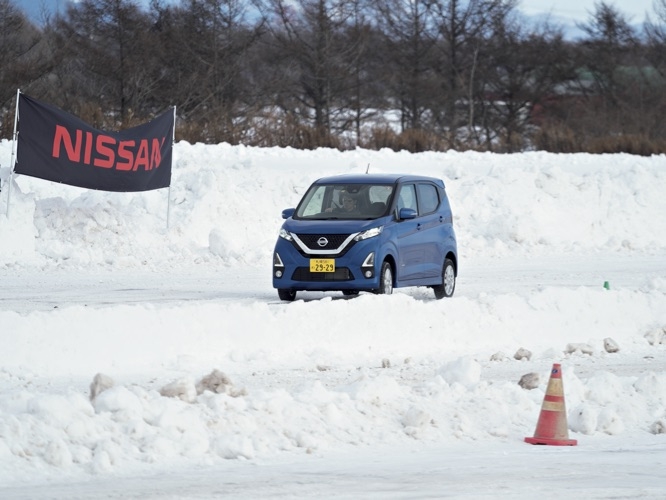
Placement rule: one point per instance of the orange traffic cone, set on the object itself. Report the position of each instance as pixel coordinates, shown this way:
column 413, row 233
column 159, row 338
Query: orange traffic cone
column 552, row 425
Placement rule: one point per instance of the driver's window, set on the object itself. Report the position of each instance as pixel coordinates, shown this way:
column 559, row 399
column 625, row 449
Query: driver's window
column 407, row 197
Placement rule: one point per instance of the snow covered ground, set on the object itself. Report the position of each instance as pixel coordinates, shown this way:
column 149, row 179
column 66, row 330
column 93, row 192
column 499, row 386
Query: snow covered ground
column 214, row 388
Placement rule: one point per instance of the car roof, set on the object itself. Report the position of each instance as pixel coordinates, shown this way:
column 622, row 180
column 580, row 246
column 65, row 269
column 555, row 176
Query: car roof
column 375, row 178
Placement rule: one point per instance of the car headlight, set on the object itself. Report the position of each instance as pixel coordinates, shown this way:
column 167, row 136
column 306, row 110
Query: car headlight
column 286, row 234
column 370, row 233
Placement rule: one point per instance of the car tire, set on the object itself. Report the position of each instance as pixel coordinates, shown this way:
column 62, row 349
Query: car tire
column 385, row 279
column 448, row 285
column 286, row 295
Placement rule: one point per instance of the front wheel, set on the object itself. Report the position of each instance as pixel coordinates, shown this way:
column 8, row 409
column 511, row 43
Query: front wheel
column 288, row 295
column 386, row 279
column 448, row 285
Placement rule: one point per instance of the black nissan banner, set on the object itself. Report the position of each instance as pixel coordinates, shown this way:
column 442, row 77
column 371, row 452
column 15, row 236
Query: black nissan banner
column 57, row 146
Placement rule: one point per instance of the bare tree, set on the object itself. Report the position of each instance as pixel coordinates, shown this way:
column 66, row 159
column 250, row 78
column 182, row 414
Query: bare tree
column 363, row 96
column 107, row 42
column 655, row 72
column 524, row 66
column 464, row 30
column 22, row 64
column 609, row 43
column 611, row 75
column 204, row 48
column 325, row 69
column 655, row 32
column 411, row 34
column 316, row 49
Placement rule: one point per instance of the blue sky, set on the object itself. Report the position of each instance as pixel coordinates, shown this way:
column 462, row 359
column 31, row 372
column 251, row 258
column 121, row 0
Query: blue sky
column 569, row 13
column 579, row 10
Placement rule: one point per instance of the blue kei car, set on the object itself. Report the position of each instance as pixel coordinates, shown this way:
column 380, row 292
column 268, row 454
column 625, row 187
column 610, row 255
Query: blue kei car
column 367, row 232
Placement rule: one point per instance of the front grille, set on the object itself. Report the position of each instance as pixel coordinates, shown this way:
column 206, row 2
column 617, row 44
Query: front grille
column 334, row 240
column 340, row 274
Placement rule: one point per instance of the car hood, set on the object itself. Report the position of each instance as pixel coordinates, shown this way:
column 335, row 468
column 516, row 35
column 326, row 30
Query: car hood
column 331, row 226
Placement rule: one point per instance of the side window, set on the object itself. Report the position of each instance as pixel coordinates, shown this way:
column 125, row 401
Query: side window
column 407, row 197
column 428, row 199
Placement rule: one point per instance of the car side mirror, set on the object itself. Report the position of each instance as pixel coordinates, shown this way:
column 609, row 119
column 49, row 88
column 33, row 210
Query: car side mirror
column 406, row 213
column 288, row 212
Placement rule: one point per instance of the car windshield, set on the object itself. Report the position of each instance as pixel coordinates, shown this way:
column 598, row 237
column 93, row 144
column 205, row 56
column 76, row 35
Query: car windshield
column 345, row 201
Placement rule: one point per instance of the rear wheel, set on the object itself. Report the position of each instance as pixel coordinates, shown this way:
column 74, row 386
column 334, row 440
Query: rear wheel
column 288, row 295
column 448, row 285
column 386, row 279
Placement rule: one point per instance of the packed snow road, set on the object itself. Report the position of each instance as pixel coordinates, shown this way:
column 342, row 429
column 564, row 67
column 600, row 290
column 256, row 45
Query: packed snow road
column 29, row 290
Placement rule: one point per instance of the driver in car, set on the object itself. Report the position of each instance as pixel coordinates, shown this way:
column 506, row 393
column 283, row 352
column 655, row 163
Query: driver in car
column 348, row 206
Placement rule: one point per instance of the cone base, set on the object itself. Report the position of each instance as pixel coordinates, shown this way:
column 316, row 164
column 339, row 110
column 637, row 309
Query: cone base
column 551, row 442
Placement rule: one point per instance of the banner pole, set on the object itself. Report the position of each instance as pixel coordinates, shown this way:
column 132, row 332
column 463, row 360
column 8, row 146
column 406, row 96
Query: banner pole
column 11, row 166
column 173, row 142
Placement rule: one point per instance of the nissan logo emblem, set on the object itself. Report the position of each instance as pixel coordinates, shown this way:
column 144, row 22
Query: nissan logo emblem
column 322, row 242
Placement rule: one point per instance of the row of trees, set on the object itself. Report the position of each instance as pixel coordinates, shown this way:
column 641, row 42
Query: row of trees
column 416, row 75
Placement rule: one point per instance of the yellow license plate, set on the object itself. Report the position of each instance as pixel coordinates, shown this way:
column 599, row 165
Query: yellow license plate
column 322, row 265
